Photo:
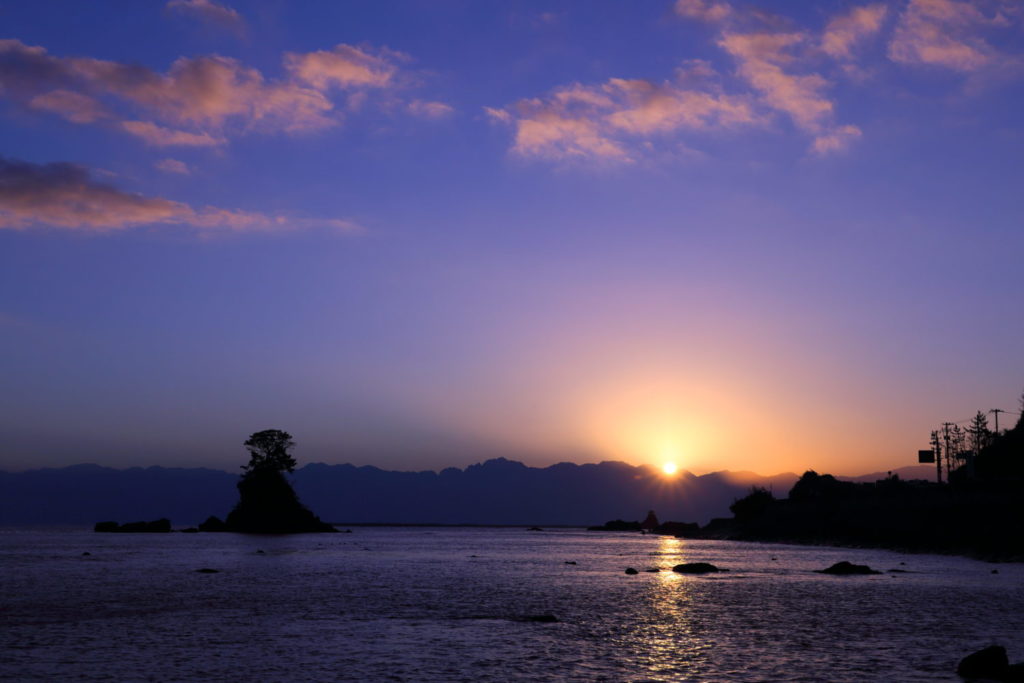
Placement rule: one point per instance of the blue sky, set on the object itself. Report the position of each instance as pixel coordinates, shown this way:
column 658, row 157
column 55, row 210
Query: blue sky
column 421, row 234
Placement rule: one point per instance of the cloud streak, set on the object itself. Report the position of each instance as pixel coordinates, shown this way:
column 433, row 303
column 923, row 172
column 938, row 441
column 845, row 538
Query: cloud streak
column 65, row 195
column 208, row 11
column 199, row 101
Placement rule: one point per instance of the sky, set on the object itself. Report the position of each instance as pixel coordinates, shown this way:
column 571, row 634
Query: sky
column 765, row 236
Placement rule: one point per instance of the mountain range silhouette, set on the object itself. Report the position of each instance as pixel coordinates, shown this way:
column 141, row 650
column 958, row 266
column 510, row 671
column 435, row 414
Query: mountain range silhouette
column 495, row 492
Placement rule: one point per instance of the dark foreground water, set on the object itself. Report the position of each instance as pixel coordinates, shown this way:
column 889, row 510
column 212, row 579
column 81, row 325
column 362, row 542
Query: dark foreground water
column 453, row 604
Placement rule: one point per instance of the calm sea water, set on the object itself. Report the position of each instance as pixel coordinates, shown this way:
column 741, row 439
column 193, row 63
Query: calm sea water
column 391, row 604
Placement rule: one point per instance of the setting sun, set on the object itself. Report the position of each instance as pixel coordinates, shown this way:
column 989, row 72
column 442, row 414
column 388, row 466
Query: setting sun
column 669, row 468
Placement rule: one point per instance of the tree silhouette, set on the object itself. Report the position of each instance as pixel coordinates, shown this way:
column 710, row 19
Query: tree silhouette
column 267, row 503
column 268, row 451
column 980, row 434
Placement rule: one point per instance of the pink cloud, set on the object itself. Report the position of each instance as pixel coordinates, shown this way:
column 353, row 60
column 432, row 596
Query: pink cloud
column 430, row 110
column 763, row 59
column 158, row 136
column 702, row 10
column 209, row 11
column 200, row 101
column 760, row 57
column 66, row 195
column 73, row 106
column 837, row 139
column 173, row 166
column 344, row 66
column 613, row 121
column 945, row 33
column 844, row 32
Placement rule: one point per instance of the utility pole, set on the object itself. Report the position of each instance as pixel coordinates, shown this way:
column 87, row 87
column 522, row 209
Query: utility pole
column 938, row 456
column 945, row 437
column 996, row 411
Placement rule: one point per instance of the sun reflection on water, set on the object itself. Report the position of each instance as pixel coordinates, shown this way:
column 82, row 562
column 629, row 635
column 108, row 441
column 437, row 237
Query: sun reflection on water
column 669, row 632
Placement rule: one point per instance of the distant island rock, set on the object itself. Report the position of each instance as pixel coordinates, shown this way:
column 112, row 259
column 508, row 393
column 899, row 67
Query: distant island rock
column 267, row 503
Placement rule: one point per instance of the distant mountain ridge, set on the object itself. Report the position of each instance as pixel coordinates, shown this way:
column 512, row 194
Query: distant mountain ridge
column 498, row 491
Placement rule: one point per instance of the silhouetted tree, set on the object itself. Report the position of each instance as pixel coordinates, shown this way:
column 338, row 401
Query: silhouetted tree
column 980, row 434
column 753, row 504
column 268, row 451
column 267, row 503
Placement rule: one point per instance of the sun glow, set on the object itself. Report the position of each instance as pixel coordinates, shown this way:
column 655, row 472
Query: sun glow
column 669, row 468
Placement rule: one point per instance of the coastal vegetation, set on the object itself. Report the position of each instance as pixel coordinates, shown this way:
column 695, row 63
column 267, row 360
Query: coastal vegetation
column 978, row 511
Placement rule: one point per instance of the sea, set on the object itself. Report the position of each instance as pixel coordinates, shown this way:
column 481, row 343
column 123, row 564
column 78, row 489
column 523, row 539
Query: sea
column 486, row 604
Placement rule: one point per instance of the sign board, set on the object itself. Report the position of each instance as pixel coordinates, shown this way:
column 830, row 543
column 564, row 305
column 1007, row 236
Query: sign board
column 926, row 456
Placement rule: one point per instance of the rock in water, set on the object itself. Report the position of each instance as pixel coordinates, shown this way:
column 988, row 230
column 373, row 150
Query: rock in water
column 845, row 568
column 697, row 568
column 268, row 505
column 213, row 524
column 988, row 663
column 543, row 618
column 630, row 571
column 650, row 522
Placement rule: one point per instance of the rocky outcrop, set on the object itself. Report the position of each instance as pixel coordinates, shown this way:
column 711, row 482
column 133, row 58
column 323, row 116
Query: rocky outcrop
column 650, row 521
column 268, row 505
column 990, row 663
column 213, row 524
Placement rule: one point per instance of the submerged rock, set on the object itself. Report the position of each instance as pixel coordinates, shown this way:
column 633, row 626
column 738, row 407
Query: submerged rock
column 845, row 568
column 207, row 570
column 630, row 571
column 652, row 570
column 697, row 568
column 543, row 618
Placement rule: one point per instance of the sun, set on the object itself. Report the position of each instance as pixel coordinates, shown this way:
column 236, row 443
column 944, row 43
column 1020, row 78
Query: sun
column 669, row 468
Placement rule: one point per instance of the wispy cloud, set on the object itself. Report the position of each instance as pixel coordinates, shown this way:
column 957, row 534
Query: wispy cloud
column 159, row 136
column 208, row 11
column 173, row 166
column 343, row 67
column 775, row 60
column 702, row 10
column 65, row 195
column 611, row 121
column 946, row 33
column 844, row 32
column 430, row 110
column 199, row 101
column 763, row 59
